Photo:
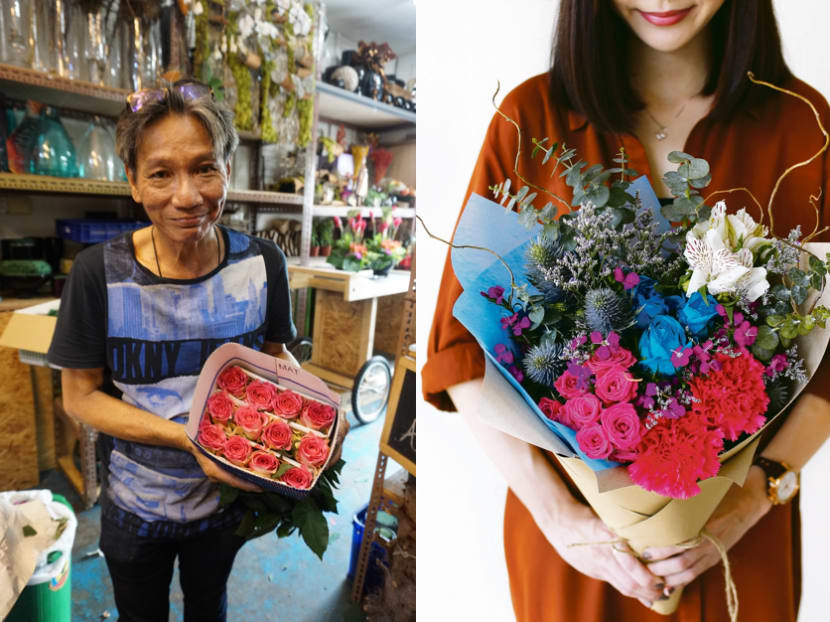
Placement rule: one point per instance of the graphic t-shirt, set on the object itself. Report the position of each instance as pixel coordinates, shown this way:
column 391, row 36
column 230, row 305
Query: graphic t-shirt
column 153, row 336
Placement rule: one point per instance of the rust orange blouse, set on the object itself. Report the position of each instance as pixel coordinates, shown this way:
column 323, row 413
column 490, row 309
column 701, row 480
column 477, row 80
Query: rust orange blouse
column 751, row 150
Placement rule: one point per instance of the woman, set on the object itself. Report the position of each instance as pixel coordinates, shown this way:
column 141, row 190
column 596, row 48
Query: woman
column 651, row 77
column 139, row 316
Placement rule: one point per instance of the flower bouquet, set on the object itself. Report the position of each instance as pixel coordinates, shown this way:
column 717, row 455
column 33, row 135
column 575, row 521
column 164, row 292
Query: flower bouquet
column 355, row 251
column 615, row 339
column 264, row 420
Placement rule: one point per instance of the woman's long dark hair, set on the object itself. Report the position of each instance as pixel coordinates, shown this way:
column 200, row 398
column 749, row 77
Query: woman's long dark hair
column 589, row 56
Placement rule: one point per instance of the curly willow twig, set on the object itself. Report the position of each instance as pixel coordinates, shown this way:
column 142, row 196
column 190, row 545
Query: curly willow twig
column 747, row 190
column 519, row 151
column 799, row 164
column 513, row 285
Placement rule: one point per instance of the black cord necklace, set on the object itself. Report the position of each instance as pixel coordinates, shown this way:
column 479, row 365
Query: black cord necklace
column 156, row 255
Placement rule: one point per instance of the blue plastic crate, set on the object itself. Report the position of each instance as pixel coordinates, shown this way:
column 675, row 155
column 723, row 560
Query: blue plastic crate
column 374, row 575
column 89, row 231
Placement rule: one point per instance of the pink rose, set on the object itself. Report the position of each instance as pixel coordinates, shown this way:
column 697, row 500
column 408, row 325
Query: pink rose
column 582, row 411
column 212, row 437
column 250, row 421
column 619, row 455
column 298, row 477
column 551, row 409
column 233, row 380
column 261, row 394
column 220, row 407
column 615, row 384
column 277, row 435
column 568, row 386
column 237, row 449
column 312, row 450
column 594, row 442
column 264, row 463
column 622, row 425
column 288, row 404
column 610, row 356
column 316, row 415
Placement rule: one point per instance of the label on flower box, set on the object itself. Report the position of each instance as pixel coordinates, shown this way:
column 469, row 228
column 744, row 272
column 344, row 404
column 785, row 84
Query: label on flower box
column 263, row 419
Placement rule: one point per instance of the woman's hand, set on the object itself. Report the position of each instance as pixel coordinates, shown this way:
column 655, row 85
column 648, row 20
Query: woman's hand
column 616, row 564
column 739, row 510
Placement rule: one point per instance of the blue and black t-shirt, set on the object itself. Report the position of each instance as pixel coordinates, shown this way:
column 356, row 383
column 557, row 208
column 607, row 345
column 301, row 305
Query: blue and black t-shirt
column 153, row 335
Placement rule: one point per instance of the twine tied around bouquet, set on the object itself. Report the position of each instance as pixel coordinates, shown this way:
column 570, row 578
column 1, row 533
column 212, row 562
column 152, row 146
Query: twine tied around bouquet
column 730, row 589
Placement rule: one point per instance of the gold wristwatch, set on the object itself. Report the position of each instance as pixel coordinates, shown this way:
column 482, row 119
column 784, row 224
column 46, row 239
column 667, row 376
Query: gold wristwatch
column 782, row 481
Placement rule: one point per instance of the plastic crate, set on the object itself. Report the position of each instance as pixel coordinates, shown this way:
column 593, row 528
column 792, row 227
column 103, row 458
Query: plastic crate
column 88, row 231
column 374, row 575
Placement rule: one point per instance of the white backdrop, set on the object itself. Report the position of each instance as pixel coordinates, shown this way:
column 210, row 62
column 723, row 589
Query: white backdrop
column 464, row 47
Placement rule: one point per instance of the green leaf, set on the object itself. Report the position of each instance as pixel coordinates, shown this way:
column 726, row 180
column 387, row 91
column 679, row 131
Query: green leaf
column 227, row 494
column 246, row 526
column 572, row 173
column 29, row 531
column 678, row 156
column 775, row 320
column 767, row 338
column 799, row 293
column 591, row 172
column 522, row 192
column 312, row 525
column 807, row 324
column 549, row 154
column 599, row 196
column 254, row 501
column 285, row 530
column 701, row 182
column 683, row 170
column 698, row 168
column 266, row 522
column 536, row 315
column 673, row 213
column 351, row 264
column 276, row 502
column 798, row 277
column 781, row 292
column 789, row 330
column 284, row 468
column 761, row 353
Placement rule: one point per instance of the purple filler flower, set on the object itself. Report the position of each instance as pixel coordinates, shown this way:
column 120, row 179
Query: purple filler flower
column 776, row 365
column 629, row 281
column 745, row 334
column 517, row 373
column 495, row 293
column 581, row 373
column 680, row 357
column 506, row 322
column 503, row 354
column 519, row 326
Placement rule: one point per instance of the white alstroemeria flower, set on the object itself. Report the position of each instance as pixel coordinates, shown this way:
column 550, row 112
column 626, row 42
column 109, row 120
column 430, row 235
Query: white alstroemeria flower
column 283, row 5
column 245, row 25
column 720, row 253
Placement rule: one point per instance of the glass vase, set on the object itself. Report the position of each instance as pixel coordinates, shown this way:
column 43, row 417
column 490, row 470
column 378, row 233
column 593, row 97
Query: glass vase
column 54, row 153
column 16, row 32
column 94, row 49
column 96, row 153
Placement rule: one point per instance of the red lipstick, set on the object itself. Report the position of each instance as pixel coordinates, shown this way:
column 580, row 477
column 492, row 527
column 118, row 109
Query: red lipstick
column 666, row 18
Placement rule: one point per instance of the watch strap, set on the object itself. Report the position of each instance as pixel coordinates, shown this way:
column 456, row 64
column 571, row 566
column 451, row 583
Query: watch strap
column 772, row 468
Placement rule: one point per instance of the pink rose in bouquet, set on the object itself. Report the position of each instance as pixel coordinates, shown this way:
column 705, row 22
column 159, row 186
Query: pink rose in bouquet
column 594, row 441
column 237, row 449
column 277, row 435
column 615, row 384
column 582, row 410
column 233, row 380
column 250, row 421
column 212, row 437
column 312, row 450
column 621, row 425
column 261, row 394
column 569, row 385
column 288, row 404
column 610, row 356
column 551, row 409
column 318, row 416
column 298, row 477
column 264, row 463
column 220, row 407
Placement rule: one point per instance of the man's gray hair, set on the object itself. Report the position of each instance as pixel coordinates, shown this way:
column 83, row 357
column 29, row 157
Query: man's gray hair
column 216, row 119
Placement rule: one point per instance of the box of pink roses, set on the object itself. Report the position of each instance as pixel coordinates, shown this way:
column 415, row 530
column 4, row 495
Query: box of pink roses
column 264, row 420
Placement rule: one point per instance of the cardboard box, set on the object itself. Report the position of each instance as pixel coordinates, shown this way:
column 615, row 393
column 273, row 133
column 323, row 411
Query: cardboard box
column 287, row 378
column 30, row 331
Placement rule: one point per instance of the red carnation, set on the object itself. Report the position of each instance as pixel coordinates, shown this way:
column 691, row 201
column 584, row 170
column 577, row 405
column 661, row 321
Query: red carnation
column 732, row 399
column 674, row 455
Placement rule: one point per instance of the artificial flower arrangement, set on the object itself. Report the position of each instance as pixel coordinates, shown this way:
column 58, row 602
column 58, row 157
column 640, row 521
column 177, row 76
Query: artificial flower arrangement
column 355, row 251
column 273, row 424
column 626, row 335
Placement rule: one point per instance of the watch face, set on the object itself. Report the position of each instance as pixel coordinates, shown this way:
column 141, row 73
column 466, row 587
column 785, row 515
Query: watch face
column 787, row 486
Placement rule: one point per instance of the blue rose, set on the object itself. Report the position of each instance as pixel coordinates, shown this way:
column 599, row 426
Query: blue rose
column 662, row 337
column 696, row 314
column 651, row 304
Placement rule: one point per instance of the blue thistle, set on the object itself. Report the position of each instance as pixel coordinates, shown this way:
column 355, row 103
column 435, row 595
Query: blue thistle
column 542, row 254
column 543, row 363
column 605, row 310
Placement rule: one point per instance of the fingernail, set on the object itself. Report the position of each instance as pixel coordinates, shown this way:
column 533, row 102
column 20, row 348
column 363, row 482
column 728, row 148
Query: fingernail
column 659, row 587
column 669, row 590
column 646, row 555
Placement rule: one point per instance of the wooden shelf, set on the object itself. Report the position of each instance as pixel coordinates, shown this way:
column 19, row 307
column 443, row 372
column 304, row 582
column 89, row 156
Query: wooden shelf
column 343, row 210
column 337, row 104
column 53, row 90
column 63, row 185
column 79, row 185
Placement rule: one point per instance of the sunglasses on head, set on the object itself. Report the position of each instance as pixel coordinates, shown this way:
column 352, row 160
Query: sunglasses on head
column 188, row 89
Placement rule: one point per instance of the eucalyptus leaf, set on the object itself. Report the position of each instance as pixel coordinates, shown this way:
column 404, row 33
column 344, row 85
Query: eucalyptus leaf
column 701, row 182
column 591, row 172
column 678, row 157
column 536, row 315
column 599, row 196
column 698, row 168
